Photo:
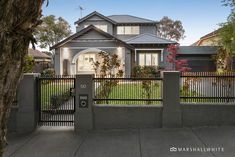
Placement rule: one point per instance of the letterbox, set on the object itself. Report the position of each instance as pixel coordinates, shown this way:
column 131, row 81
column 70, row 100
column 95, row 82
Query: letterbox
column 83, row 101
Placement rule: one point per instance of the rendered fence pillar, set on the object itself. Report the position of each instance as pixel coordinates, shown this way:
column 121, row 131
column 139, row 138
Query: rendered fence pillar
column 27, row 115
column 84, row 102
column 172, row 114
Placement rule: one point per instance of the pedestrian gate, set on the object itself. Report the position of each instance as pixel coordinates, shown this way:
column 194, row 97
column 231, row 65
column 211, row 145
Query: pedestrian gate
column 56, row 101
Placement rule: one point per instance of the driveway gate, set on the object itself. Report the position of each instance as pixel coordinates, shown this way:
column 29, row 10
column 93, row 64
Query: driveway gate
column 56, row 100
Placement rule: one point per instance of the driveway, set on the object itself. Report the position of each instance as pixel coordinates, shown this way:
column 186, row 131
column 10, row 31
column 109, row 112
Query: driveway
column 184, row 142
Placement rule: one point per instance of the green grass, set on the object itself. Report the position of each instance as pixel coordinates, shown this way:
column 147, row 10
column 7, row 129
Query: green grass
column 132, row 91
column 53, row 88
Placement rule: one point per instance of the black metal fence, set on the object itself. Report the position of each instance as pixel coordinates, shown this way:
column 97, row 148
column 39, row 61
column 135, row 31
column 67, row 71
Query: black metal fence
column 207, row 87
column 128, row 90
column 56, row 103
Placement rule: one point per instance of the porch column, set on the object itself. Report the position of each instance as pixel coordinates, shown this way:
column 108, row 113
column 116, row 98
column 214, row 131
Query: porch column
column 73, row 68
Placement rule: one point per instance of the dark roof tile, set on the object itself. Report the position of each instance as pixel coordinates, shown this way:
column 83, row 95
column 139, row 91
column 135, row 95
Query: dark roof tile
column 148, row 38
column 191, row 50
column 129, row 19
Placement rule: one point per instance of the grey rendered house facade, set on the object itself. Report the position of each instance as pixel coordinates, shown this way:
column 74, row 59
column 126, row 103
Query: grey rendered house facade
column 133, row 39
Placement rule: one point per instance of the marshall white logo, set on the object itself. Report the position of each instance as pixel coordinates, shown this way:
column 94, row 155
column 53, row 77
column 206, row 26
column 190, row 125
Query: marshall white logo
column 196, row 149
column 173, row 149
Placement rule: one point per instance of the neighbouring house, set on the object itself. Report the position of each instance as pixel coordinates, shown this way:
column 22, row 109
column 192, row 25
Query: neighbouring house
column 210, row 39
column 42, row 61
column 133, row 39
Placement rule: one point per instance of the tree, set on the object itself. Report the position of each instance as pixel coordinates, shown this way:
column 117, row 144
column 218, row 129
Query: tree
column 170, row 29
column 18, row 20
column 108, row 67
column 51, row 31
column 176, row 64
column 230, row 3
column 226, row 41
column 147, row 72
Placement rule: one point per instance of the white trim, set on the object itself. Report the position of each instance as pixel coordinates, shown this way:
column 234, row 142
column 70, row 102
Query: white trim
column 91, row 40
column 61, row 62
column 83, row 52
column 74, row 59
column 146, row 49
column 90, row 47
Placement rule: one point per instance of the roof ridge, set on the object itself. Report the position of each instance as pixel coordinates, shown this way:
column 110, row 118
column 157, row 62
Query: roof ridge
column 95, row 13
column 133, row 16
column 132, row 38
column 149, row 36
column 200, row 46
column 155, row 35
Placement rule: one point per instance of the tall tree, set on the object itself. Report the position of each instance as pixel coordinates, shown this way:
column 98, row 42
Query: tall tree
column 226, row 41
column 18, row 20
column 230, row 3
column 170, row 29
column 51, row 31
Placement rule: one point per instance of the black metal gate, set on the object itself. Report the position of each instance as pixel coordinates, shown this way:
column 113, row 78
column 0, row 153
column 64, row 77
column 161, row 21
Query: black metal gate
column 56, row 100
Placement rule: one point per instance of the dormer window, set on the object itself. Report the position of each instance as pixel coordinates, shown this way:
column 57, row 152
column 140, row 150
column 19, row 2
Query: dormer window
column 101, row 27
column 128, row 30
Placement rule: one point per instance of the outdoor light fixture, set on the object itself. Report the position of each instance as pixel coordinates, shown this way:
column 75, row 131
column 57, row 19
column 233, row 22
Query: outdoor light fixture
column 119, row 49
column 65, row 53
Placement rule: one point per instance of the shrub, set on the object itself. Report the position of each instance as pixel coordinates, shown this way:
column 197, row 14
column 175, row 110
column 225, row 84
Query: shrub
column 48, row 72
column 58, row 100
column 146, row 71
column 28, row 64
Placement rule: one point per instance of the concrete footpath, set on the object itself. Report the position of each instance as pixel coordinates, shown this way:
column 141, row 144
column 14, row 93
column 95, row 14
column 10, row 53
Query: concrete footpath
column 64, row 142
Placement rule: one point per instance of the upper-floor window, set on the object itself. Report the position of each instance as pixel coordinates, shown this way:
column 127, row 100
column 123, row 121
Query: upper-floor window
column 128, row 30
column 101, row 27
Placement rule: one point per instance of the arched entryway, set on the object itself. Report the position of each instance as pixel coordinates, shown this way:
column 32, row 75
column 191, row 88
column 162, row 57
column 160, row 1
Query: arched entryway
column 82, row 62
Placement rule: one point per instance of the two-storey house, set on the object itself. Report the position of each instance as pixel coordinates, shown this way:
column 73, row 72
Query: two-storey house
column 133, row 39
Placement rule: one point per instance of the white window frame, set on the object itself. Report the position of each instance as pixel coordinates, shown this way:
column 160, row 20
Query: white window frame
column 131, row 29
column 148, row 57
column 161, row 55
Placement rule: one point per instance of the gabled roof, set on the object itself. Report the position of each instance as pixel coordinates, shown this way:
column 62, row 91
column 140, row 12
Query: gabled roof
column 203, row 50
column 214, row 33
column 130, row 19
column 92, row 14
column 38, row 54
column 147, row 38
column 87, row 29
column 205, row 37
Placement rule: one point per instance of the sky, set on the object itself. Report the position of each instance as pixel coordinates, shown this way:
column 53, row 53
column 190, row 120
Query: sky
column 199, row 17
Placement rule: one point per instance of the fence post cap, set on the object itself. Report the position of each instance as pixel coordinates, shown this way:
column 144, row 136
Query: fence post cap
column 31, row 74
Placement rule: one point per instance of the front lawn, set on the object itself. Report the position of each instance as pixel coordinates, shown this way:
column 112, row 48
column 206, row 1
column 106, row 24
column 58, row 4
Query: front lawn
column 131, row 91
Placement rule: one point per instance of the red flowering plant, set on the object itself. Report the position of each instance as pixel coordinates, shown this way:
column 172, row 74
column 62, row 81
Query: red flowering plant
column 176, row 64
column 179, row 65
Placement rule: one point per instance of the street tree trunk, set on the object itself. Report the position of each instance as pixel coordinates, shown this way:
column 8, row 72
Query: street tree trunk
column 18, row 19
